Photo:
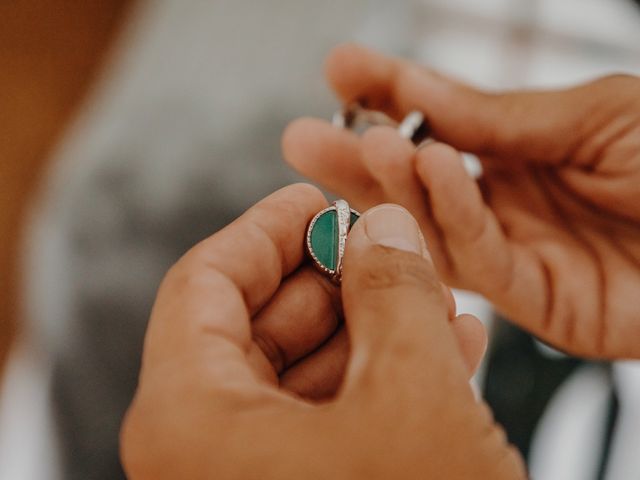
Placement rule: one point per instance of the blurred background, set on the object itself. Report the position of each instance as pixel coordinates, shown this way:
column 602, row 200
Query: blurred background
column 180, row 133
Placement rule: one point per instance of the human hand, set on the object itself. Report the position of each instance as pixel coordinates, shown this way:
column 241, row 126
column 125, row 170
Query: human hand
column 551, row 235
column 241, row 327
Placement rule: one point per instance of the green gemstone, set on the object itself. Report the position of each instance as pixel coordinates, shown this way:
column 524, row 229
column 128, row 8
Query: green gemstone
column 324, row 238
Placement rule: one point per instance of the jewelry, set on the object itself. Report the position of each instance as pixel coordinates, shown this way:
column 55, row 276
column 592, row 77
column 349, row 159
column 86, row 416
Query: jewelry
column 327, row 236
column 353, row 116
column 413, row 127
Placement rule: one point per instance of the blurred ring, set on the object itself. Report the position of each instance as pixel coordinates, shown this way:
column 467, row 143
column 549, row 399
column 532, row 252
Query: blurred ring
column 413, row 127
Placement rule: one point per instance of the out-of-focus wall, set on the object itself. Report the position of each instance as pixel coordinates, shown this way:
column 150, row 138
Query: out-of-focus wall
column 521, row 43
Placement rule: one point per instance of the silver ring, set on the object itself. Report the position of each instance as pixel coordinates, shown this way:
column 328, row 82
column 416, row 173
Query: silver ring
column 353, row 116
column 413, row 127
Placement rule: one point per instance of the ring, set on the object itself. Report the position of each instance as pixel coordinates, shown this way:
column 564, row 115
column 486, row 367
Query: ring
column 327, row 237
column 413, row 127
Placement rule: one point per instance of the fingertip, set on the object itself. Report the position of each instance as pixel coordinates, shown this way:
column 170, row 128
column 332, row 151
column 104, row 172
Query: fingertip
column 338, row 61
column 356, row 72
column 472, row 339
column 436, row 155
column 307, row 142
column 386, row 153
column 456, row 200
column 296, row 136
column 328, row 155
column 341, row 55
column 441, row 169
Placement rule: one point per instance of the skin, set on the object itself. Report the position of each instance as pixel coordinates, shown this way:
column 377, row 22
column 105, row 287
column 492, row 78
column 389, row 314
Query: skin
column 50, row 53
column 551, row 234
column 226, row 391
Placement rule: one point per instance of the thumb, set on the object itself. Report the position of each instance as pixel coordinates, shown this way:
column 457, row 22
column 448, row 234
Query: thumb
column 395, row 310
column 539, row 126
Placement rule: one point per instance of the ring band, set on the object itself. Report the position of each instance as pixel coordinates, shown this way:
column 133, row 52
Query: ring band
column 413, row 127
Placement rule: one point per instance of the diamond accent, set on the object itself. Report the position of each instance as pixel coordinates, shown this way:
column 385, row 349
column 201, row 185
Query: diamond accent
column 344, row 220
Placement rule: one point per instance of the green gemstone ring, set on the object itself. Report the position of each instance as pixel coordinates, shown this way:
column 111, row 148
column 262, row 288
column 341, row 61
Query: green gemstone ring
column 327, row 237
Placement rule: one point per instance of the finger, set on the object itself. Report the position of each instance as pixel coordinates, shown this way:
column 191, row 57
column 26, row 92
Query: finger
column 511, row 276
column 330, row 156
column 405, row 366
column 545, row 126
column 319, row 376
column 205, row 301
column 472, row 236
column 471, row 337
column 302, row 315
column 390, row 159
column 395, row 310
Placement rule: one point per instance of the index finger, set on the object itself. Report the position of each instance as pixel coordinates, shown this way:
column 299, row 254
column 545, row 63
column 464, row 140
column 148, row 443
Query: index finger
column 538, row 126
column 208, row 297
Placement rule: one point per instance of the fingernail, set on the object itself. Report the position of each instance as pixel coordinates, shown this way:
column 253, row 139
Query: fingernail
column 393, row 226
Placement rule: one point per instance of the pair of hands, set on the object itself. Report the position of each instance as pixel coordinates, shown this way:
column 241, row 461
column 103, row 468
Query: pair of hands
column 245, row 339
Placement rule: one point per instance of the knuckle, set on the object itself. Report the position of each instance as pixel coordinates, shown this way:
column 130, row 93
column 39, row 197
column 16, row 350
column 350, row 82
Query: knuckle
column 188, row 268
column 183, row 278
column 386, row 267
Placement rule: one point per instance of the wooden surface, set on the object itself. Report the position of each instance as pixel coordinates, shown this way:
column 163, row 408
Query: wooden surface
column 50, row 52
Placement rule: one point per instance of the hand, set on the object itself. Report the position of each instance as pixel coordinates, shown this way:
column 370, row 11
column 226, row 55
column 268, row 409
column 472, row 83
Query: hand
column 241, row 327
column 551, row 235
